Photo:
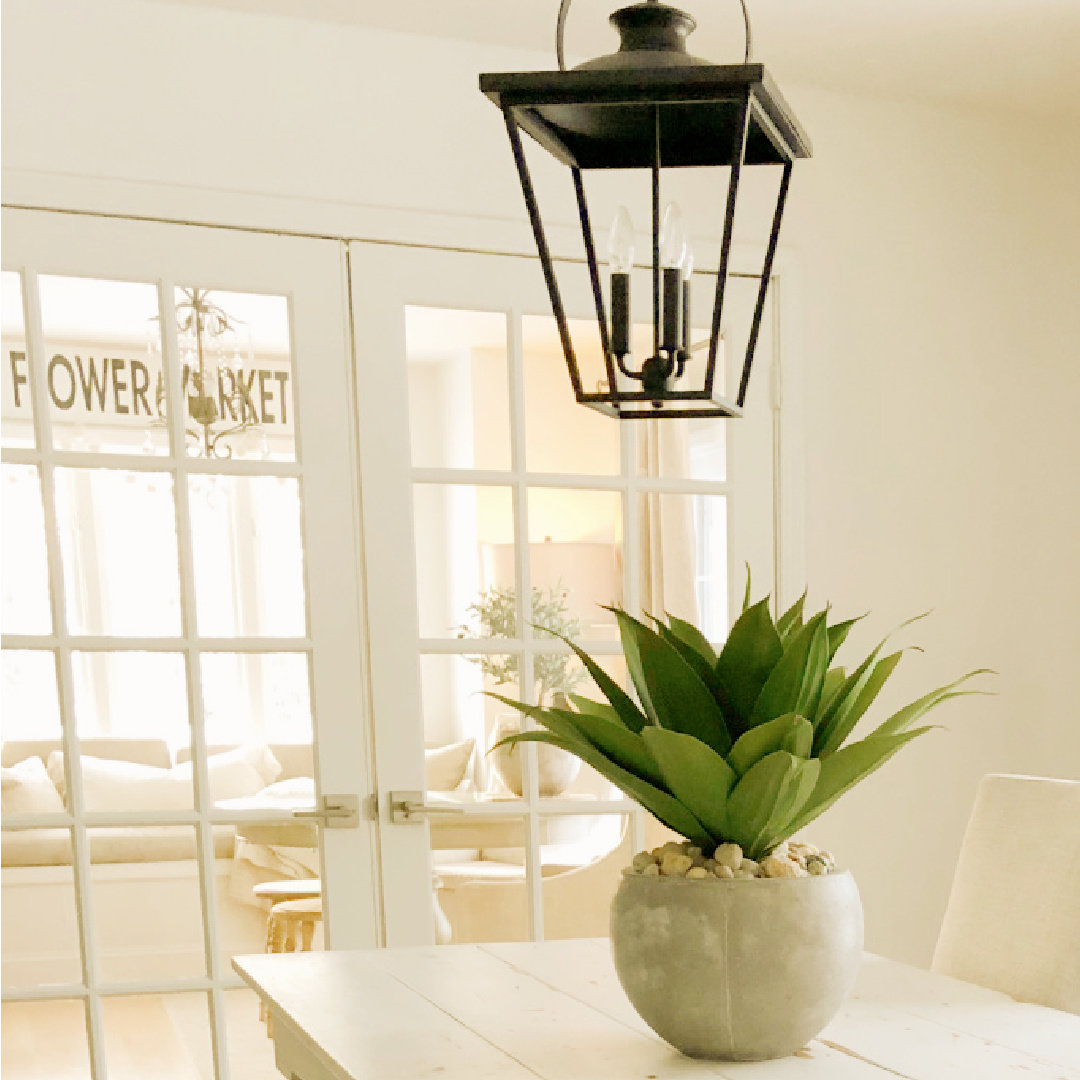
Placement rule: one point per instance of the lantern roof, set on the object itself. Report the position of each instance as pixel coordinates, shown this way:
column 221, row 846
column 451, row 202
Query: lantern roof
column 606, row 119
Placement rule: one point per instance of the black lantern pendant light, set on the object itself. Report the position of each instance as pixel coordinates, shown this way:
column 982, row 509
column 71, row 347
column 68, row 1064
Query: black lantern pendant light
column 651, row 106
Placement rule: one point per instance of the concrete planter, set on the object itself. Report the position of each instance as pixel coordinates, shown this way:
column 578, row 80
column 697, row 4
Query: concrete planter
column 737, row 970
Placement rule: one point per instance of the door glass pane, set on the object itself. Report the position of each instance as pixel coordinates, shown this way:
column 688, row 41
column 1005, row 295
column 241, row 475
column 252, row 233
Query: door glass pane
column 31, row 703
column 460, row 722
column 236, row 355
column 103, row 376
column 459, row 529
column 684, row 568
column 40, row 932
column 459, row 405
column 575, row 557
column 18, row 411
column 248, row 555
column 118, row 543
column 158, row 1035
column 44, row 1038
column 131, row 715
column 583, row 857
column 256, row 697
column 135, row 870
column 562, row 436
column 25, row 606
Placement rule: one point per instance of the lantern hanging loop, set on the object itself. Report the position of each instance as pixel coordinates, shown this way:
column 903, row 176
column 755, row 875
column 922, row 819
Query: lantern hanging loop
column 564, row 11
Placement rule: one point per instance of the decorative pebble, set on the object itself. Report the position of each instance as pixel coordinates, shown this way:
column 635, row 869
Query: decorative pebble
column 790, row 859
column 730, row 855
column 774, row 867
column 672, row 865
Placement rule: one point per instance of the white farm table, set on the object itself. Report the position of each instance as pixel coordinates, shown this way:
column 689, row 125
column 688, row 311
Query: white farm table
column 556, row 1011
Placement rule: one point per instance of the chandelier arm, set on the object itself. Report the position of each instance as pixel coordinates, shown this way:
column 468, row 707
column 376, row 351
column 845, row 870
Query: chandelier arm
column 560, row 33
column 749, row 48
column 564, row 11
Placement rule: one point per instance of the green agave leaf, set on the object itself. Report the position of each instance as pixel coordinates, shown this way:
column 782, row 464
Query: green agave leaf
column 830, row 736
column 746, row 592
column 792, row 619
column 597, row 708
column 753, row 801
column 661, row 804
column 799, row 740
column 621, row 701
column 694, row 773
column 690, row 635
column 902, row 720
column 675, row 697
column 623, row 747
column 632, row 654
column 833, row 681
column 795, row 683
column 761, row 741
column 841, row 771
column 794, row 798
column 844, row 698
column 751, row 652
column 838, row 634
column 702, row 667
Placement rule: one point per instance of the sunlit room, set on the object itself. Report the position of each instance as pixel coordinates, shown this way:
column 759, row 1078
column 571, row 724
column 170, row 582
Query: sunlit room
column 485, row 489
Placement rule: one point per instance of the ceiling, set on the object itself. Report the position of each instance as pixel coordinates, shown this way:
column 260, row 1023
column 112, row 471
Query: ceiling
column 1016, row 56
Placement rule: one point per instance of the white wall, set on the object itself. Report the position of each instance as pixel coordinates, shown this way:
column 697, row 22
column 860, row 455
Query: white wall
column 939, row 259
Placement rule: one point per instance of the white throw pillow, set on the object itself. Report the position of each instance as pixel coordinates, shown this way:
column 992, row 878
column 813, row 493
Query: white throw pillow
column 111, row 787
column 124, row 787
column 27, row 789
column 446, row 765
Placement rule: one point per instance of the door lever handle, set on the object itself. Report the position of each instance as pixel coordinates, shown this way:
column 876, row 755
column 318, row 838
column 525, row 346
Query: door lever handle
column 410, row 807
column 335, row 812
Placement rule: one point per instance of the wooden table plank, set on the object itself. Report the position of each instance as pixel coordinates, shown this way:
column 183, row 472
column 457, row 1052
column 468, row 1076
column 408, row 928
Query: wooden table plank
column 555, row 1011
column 1045, row 1034
column 367, row 1024
column 583, row 970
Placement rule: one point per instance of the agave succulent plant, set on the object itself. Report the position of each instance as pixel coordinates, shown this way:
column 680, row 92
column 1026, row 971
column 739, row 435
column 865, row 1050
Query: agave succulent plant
column 745, row 746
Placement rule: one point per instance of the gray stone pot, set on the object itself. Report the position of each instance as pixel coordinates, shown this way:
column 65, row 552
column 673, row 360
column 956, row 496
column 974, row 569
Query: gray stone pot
column 739, row 970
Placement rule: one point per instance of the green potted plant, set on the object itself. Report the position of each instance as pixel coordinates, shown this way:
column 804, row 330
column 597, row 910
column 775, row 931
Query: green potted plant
column 494, row 615
column 738, row 943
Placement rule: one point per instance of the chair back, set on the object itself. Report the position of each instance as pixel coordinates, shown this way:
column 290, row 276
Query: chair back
column 1013, row 917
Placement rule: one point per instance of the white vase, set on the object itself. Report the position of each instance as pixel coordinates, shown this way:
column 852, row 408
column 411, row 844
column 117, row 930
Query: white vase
column 739, row 970
column 556, row 769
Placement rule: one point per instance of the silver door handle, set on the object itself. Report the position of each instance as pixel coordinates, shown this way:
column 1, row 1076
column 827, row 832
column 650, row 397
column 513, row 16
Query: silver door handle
column 409, row 807
column 335, row 812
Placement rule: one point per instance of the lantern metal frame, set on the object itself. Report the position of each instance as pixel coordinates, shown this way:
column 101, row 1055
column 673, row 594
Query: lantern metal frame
column 653, row 118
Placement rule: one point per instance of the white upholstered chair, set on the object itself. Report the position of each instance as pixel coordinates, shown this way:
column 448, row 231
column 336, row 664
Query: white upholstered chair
column 1013, row 918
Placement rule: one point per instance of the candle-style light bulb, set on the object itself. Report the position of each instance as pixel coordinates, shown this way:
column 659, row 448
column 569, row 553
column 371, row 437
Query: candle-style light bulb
column 672, row 238
column 672, row 255
column 621, row 262
column 621, row 243
column 687, row 273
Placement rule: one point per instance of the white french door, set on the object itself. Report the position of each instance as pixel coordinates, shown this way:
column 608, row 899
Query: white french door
column 183, row 658
column 494, row 505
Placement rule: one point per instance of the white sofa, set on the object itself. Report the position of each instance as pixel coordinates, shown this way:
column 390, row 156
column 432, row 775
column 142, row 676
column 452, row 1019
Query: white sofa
column 145, row 888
